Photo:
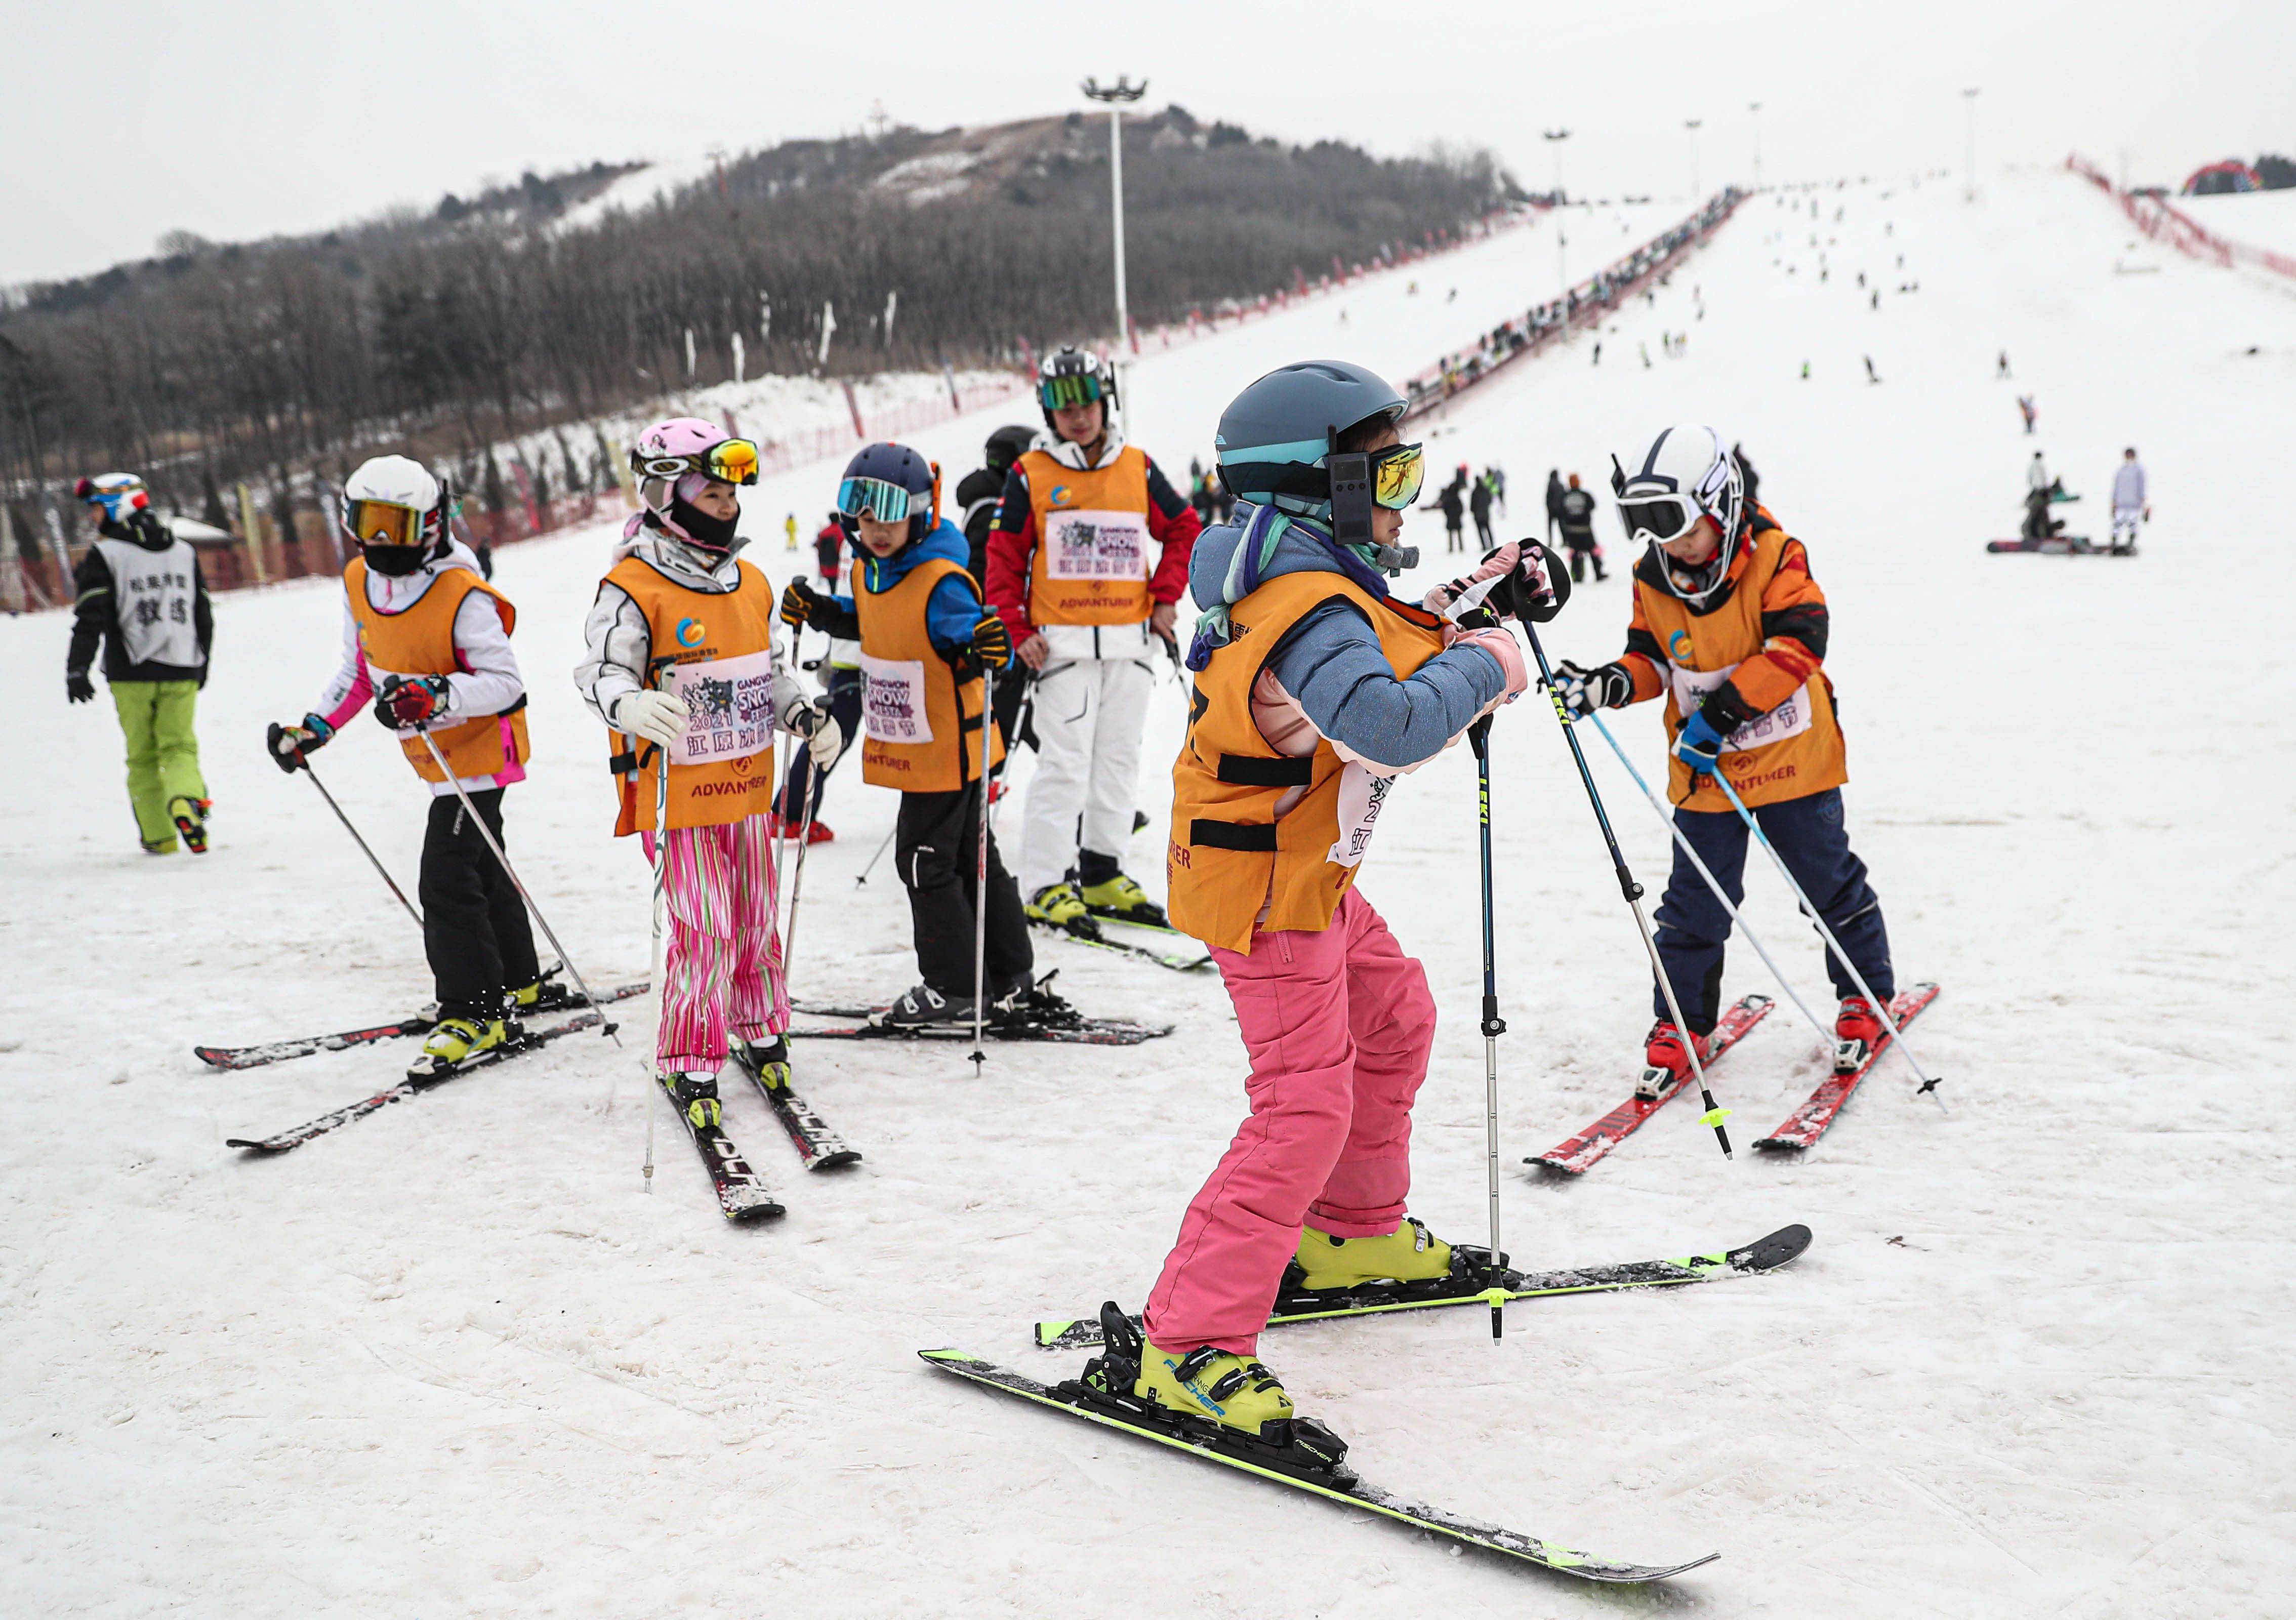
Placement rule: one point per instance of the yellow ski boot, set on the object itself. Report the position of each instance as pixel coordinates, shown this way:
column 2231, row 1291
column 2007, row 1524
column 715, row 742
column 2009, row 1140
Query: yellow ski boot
column 1409, row 1253
column 1120, row 899
column 453, row 1042
column 1234, row 1392
column 1058, row 906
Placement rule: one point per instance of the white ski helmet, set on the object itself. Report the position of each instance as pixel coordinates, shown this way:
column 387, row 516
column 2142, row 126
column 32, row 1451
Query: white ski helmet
column 395, row 502
column 1688, row 473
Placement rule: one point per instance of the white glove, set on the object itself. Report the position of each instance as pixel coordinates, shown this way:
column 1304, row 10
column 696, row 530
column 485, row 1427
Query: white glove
column 656, row 716
column 827, row 743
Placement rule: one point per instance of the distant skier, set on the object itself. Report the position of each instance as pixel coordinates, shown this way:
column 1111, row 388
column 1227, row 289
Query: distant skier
column 1452, row 503
column 429, row 641
column 139, row 592
column 2129, row 505
column 1578, row 520
column 2025, row 408
column 2039, row 489
column 1478, row 505
column 1553, row 501
column 2001, row 365
column 1729, row 626
column 1870, row 374
column 789, row 532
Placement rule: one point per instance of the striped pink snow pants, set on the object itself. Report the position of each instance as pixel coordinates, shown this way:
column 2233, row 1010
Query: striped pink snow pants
column 723, row 968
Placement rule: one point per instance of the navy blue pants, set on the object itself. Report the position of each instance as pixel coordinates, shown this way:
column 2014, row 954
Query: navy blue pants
column 844, row 708
column 1810, row 838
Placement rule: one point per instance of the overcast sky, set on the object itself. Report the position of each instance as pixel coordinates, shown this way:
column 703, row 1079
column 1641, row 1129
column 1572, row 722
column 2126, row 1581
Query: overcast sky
column 237, row 118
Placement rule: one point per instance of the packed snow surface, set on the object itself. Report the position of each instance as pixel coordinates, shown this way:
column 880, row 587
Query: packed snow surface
column 455, row 1360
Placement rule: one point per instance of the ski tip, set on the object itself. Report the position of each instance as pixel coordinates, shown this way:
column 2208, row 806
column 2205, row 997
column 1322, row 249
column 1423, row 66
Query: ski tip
column 1050, row 1334
column 1556, row 1167
column 1778, row 1144
column 1769, row 1254
column 837, row 1160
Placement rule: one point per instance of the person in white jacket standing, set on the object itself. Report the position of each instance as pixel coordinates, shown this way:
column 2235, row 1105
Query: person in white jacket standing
column 680, row 662
column 2129, row 505
column 1069, row 573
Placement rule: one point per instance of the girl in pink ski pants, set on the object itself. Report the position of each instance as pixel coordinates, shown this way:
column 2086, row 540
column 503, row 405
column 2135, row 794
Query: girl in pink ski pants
column 1338, row 1025
column 723, row 969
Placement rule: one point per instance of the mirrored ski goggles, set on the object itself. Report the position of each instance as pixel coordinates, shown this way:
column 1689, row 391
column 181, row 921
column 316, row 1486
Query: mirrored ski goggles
column 1075, row 387
column 372, row 522
column 1397, row 472
column 1659, row 517
column 729, row 461
column 874, row 497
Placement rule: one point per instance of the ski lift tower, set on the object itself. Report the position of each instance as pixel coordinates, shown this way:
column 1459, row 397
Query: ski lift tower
column 1556, row 138
column 1116, row 97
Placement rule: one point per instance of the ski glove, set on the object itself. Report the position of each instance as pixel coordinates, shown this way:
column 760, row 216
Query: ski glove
column 403, row 702
column 1700, row 745
column 658, row 716
column 824, row 744
column 1514, row 581
column 1583, row 691
column 77, row 687
column 992, row 643
column 290, row 744
column 798, row 603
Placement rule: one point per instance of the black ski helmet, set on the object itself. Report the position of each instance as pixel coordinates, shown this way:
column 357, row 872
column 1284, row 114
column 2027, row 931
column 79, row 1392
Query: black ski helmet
column 869, row 486
column 1007, row 445
column 1071, row 376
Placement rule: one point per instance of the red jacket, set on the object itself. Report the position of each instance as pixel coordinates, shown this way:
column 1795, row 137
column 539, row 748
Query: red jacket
column 1172, row 523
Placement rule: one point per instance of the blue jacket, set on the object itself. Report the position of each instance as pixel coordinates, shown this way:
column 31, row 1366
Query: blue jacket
column 953, row 609
column 1332, row 663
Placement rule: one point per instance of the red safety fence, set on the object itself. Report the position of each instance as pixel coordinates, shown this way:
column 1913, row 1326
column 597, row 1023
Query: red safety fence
column 1532, row 331
column 2164, row 222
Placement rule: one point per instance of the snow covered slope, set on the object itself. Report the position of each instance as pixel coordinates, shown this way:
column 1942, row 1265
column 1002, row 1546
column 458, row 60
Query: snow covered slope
column 452, row 1361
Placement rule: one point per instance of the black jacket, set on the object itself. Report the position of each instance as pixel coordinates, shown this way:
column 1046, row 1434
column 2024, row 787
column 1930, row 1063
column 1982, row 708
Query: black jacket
column 1554, row 494
column 95, row 612
column 977, row 495
column 1577, row 517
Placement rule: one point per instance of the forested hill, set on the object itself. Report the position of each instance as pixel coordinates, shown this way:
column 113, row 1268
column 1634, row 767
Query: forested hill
column 489, row 314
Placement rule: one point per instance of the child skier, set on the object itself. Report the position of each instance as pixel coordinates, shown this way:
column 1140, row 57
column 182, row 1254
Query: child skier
column 925, row 637
column 680, row 662
column 1314, row 690
column 140, row 593
column 429, row 641
column 1068, row 570
column 1730, row 626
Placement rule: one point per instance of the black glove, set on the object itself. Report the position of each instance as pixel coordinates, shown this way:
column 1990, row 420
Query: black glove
column 77, row 687
column 404, row 703
column 1583, row 691
column 798, row 603
column 289, row 743
column 804, row 716
column 991, row 647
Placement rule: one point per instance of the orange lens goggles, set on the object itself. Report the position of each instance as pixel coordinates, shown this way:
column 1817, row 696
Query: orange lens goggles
column 733, row 462
column 373, row 522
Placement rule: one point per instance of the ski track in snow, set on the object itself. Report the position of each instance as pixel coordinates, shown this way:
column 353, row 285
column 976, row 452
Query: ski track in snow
column 453, row 1361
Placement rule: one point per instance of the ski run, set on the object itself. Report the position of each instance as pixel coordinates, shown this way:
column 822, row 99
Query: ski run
column 459, row 1360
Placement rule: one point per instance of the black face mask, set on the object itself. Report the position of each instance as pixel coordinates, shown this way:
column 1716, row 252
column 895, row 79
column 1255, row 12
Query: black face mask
column 395, row 561
column 714, row 533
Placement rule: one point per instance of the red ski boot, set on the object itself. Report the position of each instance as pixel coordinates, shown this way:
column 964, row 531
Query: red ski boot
column 1857, row 1032
column 1666, row 1061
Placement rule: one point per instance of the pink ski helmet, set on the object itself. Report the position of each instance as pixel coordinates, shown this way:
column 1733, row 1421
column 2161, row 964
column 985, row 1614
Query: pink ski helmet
column 671, row 462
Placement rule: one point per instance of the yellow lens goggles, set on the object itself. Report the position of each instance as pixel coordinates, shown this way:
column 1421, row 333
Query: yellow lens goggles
column 734, row 461
column 373, row 522
column 1396, row 474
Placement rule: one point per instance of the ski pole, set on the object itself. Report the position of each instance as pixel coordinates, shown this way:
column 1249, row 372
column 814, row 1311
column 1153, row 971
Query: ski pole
column 1633, row 892
column 660, row 908
column 1660, row 805
column 1881, row 1008
column 397, row 892
column 1479, row 738
column 862, row 882
column 511, row 871
column 980, row 877
column 813, row 788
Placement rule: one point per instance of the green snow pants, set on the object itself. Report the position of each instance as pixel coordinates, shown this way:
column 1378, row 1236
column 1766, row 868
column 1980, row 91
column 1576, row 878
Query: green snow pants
column 163, row 756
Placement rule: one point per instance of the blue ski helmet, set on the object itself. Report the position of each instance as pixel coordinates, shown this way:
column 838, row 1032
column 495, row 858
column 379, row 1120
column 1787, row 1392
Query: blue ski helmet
column 890, row 483
column 1275, row 438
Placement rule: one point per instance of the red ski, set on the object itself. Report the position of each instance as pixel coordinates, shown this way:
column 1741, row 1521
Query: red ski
column 1575, row 1156
column 1808, row 1122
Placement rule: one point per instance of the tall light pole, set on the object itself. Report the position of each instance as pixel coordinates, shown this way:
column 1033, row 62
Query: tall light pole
column 1969, row 146
column 1555, row 139
column 1755, row 108
column 1691, row 125
column 1116, row 97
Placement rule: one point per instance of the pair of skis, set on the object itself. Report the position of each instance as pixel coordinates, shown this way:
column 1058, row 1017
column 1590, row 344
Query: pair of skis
column 1575, row 1155
column 1318, row 1471
column 743, row 1195
column 414, row 1024
column 1077, row 1031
